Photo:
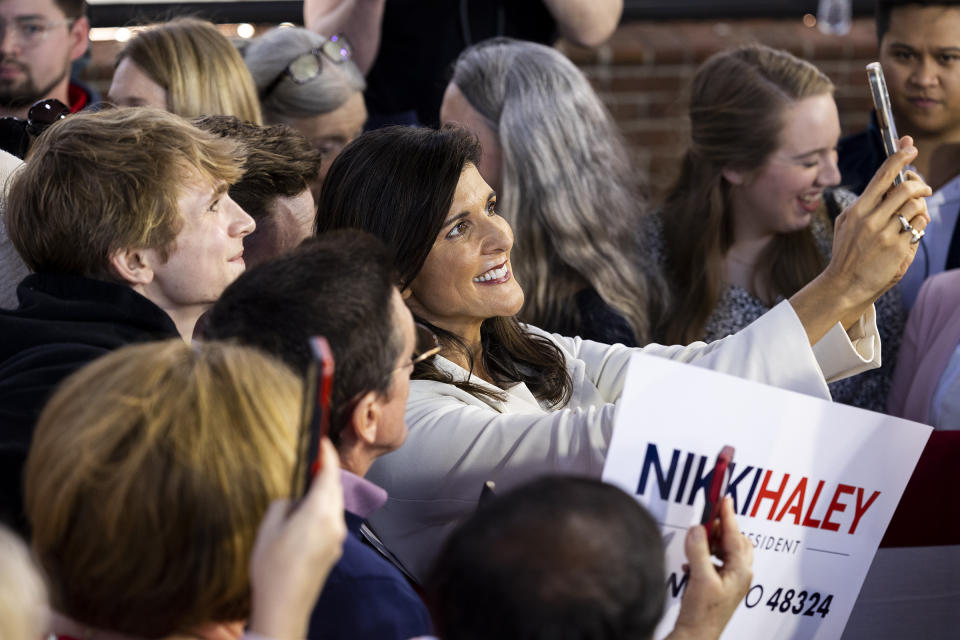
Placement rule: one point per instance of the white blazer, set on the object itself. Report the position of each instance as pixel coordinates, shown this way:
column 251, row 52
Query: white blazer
column 458, row 441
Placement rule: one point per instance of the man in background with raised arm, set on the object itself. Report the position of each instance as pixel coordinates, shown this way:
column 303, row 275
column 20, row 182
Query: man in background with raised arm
column 405, row 47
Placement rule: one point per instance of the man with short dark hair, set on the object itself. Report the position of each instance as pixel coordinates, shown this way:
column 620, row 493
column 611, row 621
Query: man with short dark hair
column 281, row 170
column 39, row 41
column 341, row 286
column 920, row 53
column 569, row 557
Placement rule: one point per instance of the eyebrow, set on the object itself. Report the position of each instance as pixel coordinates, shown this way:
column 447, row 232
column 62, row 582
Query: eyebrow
column 800, row 156
column 911, row 48
column 454, row 218
column 218, row 192
column 464, row 214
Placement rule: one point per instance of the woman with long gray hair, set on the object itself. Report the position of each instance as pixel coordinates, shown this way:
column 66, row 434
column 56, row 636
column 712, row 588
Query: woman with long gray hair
column 567, row 187
column 309, row 82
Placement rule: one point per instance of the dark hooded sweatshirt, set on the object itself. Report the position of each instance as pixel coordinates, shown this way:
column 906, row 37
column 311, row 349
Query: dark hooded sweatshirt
column 62, row 323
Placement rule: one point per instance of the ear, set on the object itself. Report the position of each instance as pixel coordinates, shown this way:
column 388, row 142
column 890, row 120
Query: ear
column 132, row 266
column 734, row 177
column 79, row 35
column 365, row 419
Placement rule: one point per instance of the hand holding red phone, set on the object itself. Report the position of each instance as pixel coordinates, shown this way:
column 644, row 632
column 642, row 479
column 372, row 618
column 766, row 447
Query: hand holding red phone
column 294, row 552
column 714, row 592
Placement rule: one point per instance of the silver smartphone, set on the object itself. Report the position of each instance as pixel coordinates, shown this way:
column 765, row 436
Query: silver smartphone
column 881, row 101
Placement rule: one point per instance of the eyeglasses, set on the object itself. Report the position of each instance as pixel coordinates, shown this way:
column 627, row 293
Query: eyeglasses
column 427, row 344
column 308, row 66
column 30, row 32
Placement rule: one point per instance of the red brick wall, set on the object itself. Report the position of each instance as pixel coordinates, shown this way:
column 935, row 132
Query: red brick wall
column 643, row 71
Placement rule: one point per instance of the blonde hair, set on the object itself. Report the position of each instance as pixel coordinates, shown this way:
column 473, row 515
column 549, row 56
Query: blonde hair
column 23, row 594
column 149, row 473
column 99, row 182
column 201, row 71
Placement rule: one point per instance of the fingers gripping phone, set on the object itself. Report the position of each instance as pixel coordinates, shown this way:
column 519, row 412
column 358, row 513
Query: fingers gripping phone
column 881, row 102
column 314, row 414
column 718, row 489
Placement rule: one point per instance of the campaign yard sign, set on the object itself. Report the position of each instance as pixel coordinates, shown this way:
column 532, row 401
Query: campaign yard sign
column 814, row 486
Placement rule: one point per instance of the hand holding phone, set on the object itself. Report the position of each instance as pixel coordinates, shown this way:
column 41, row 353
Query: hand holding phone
column 888, row 130
column 314, row 415
column 718, row 489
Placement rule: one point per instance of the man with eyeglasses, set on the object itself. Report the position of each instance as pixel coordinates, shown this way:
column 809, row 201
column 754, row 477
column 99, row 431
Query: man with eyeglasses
column 341, row 286
column 39, row 40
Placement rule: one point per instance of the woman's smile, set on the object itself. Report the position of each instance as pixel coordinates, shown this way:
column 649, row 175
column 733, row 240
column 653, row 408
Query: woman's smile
column 496, row 275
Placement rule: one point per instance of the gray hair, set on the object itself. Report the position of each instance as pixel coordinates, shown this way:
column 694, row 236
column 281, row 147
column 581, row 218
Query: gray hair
column 568, row 186
column 268, row 56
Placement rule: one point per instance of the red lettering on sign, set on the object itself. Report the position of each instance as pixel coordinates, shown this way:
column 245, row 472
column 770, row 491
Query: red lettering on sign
column 860, row 508
column 794, row 503
column 836, row 505
column 807, row 520
column 766, row 494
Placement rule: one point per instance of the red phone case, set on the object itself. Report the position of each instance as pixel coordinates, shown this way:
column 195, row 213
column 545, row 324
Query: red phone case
column 718, row 488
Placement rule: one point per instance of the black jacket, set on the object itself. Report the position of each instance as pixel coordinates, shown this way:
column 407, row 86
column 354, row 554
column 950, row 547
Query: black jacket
column 62, row 323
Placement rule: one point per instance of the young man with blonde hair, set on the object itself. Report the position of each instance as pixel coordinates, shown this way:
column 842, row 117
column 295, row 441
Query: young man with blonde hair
column 125, row 220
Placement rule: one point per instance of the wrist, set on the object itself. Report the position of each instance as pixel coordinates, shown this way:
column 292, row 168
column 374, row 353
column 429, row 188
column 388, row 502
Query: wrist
column 835, row 288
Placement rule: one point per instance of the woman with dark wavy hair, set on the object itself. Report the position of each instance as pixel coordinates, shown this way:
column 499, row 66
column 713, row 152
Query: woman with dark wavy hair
column 508, row 402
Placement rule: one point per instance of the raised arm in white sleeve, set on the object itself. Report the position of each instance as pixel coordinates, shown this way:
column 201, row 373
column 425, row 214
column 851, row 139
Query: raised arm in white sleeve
column 458, row 441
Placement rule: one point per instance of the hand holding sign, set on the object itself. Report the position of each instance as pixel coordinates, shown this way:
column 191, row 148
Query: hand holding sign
column 713, row 593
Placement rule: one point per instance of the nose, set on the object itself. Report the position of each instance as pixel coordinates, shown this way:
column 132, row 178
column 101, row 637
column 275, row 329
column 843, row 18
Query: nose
column 498, row 236
column 829, row 174
column 241, row 223
column 924, row 72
